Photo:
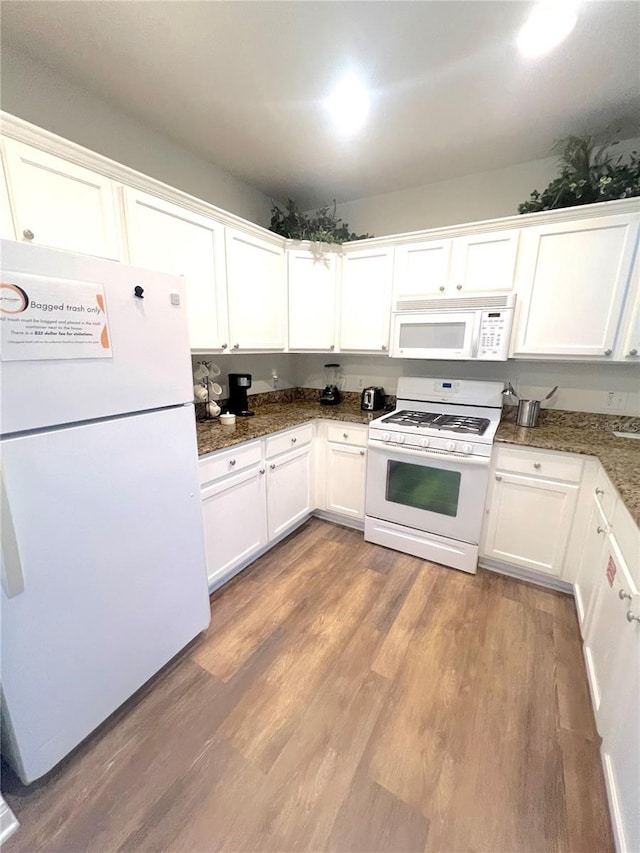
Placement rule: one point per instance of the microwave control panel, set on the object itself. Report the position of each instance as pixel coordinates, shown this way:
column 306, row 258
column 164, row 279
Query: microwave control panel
column 495, row 331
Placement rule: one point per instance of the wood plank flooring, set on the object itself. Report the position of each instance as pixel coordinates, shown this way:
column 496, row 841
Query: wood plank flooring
column 345, row 698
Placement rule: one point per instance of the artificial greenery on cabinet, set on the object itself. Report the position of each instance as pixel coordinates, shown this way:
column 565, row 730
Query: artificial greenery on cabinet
column 589, row 172
column 322, row 226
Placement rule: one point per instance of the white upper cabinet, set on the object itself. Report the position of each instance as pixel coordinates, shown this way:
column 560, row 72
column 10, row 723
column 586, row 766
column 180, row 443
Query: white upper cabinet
column 628, row 348
column 572, row 279
column 462, row 266
column 59, row 204
column 312, row 300
column 365, row 299
column 169, row 238
column 257, row 292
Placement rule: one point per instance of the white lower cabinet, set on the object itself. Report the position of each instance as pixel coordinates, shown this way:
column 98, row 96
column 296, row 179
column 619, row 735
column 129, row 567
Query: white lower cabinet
column 346, row 469
column 288, row 490
column 530, row 507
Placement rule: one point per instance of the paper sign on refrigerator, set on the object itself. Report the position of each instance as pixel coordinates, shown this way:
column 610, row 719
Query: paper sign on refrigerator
column 48, row 318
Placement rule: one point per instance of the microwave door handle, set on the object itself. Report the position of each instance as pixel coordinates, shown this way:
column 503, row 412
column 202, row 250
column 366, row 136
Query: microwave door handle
column 475, row 335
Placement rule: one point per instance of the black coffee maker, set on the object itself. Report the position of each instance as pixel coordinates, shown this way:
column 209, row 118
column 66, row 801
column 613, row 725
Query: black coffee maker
column 239, row 384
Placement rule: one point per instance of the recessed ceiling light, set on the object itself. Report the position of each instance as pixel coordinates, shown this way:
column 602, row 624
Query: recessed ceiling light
column 348, row 105
column 548, row 25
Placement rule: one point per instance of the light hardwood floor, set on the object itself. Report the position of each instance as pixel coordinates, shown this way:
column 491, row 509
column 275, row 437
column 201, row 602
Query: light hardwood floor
column 345, row 698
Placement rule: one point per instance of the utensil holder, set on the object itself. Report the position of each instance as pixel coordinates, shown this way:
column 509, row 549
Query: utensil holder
column 528, row 411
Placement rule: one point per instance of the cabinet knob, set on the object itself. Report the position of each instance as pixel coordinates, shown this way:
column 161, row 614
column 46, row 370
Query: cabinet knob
column 224, row 346
column 236, row 346
column 384, row 347
column 273, row 466
column 537, row 465
column 458, row 287
column 608, row 352
column 441, row 288
column 633, row 352
column 362, row 453
column 232, row 462
column 599, row 491
column 293, row 440
column 27, row 234
column 622, row 594
column 345, row 435
column 600, row 529
column 498, row 477
column 262, row 470
column 631, row 617
column 332, row 347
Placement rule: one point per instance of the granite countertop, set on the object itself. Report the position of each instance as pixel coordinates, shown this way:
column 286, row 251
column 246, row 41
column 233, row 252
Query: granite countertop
column 592, row 435
column 569, row 432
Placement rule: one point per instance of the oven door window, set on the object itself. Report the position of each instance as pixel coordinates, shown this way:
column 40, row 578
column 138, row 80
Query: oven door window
column 422, row 487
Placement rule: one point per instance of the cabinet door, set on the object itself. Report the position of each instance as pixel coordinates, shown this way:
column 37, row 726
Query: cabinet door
column 235, row 521
column 257, row 293
column 572, row 279
column 484, row 263
column 288, row 490
column 529, row 522
column 629, row 347
column 62, row 205
column 345, row 479
column 365, row 311
column 312, row 300
column 163, row 236
column 594, row 540
column 421, row 269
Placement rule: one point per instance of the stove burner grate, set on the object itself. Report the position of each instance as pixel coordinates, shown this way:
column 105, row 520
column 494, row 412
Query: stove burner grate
column 431, row 420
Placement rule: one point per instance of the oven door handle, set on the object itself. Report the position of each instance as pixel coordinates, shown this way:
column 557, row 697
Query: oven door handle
column 419, row 453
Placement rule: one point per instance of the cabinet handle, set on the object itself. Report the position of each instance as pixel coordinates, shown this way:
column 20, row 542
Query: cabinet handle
column 272, row 466
column 458, row 287
column 332, row 347
column 27, row 234
column 599, row 491
column 232, row 462
column 622, row 594
column 498, row 477
column 224, row 346
column 236, row 346
column 384, row 347
column 631, row 617
column 601, row 529
column 608, row 352
column 633, row 352
column 362, row 453
column 262, row 470
column 537, row 465
column 345, row 435
column 441, row 288
column 293, row 440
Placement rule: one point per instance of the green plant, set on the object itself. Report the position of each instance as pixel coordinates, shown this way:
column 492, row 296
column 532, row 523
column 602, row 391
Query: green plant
column 589, row 172
column 322, row 226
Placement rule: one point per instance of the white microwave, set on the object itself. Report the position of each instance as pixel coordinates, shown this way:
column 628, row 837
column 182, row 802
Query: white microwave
column 467, row 328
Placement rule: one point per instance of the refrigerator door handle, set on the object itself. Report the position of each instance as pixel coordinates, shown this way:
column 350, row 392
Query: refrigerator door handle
column 12, row 575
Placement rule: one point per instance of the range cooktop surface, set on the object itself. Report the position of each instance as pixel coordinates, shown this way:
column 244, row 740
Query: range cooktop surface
column 462, row 424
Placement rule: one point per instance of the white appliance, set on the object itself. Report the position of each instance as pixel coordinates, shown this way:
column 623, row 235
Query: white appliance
column 428, row 469
column 474, row 328
column 103, row 565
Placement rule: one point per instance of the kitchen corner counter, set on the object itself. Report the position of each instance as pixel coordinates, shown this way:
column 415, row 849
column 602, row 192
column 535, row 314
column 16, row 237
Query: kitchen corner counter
column 272, row 417
column 590, row 435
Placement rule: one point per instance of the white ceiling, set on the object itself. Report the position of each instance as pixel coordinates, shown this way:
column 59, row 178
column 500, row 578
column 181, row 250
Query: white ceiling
column 241, row 83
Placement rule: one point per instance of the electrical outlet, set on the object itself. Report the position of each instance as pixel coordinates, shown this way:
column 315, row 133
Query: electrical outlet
column 616, row 401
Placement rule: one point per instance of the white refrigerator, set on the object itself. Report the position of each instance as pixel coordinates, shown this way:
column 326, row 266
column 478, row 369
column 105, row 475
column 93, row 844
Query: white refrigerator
column 103, row 566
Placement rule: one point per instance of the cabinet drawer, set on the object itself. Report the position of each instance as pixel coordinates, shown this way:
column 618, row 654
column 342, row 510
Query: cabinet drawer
column 288, row 440
column 229, row 461
column 347, row 434
column 533, row 463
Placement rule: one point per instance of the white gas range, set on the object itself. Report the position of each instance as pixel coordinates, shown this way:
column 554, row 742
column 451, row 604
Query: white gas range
column 428, row 469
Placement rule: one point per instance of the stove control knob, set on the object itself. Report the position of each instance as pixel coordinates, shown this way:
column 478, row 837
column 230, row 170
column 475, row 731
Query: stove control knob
column 467, row 448
column 450, row 445
column 400, row 439
column 424, row 442
column 386, row 436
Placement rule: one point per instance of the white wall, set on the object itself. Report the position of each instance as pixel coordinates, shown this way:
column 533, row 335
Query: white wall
column 583, row 387
column 37, row 94
column 484, row 195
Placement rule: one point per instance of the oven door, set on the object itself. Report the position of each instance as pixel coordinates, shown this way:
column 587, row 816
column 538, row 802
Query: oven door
column 435, row 334
column 431, row 491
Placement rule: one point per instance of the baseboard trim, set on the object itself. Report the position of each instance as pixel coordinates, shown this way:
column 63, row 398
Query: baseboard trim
column 527, row 575
column 345, row 521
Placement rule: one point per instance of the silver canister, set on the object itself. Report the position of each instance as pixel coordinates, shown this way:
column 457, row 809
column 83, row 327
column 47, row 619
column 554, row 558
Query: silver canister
column 528, row 411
